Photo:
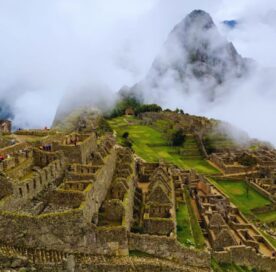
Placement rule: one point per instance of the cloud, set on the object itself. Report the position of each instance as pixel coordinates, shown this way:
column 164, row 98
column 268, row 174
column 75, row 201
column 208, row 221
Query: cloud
column 54, row 47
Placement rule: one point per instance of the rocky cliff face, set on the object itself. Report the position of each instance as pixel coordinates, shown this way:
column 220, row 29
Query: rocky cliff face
column 195, row 55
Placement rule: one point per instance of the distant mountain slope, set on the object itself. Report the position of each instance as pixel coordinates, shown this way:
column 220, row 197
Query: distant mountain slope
column 195, row 56
column 5, row 111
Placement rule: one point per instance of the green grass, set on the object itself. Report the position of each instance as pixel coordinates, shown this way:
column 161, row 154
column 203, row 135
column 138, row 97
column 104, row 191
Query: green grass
column 267, row 217
column 184, row 231
column 269, row 238
column 196, row 229
column 237, row 192
column 150, row 144
column 162, row 125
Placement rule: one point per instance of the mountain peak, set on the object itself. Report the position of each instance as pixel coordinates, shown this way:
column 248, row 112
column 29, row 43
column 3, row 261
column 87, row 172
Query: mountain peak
column 201, row 18
column 195, row 57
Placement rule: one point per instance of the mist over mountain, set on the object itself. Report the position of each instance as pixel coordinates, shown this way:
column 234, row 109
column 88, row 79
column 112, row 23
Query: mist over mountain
column 5, row 111
column 95, row 97
column 195, row 60
column 50, row 50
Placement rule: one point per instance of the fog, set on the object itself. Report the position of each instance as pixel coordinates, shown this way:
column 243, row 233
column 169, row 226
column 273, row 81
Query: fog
column 54, row 49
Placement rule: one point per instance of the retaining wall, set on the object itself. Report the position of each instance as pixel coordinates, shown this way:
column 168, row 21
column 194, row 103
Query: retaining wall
column 169, row 248
column 245, row 256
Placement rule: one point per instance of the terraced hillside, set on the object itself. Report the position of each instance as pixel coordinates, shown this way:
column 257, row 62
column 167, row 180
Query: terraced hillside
column 190, row 149
column 151, row 145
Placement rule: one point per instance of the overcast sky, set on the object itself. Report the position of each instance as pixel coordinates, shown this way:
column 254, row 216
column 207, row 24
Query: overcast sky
column 50, row 47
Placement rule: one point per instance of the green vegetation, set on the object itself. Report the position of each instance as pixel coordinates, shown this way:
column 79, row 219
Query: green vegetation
column 244, row 197
column 176, row 137
column 151, row 145
column 237, row 192
column 269, row 238
column 148, row 108
column 196, row 229
column 131, row 102
column 267, row 217
column 103, row 126
column 216, row 141
column 229, row 267
column 184, row 231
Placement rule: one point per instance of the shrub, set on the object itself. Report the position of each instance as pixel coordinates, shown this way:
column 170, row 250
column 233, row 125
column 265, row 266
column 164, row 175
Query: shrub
column 148, row 108
column 125, row 135
column 247, row 160
column 127, row 143
column 176, row 137
column 103, row 126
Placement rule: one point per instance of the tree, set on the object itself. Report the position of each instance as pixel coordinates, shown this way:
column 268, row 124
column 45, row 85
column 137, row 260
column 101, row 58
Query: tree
column 148, row 108
column 123, row 104
column 247, row 160
column 103, row 126
column 127, row 143
column 125, row 135
column 176, row 137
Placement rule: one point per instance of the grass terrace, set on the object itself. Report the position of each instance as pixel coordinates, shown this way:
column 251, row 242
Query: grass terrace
column 244, row 197
column 267, row 217
column 237, row 192
column 184, row 230
column 151, row 145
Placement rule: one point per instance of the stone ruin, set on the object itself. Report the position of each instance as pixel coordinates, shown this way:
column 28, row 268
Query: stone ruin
column 223, row 225
column 230, row 161
column 264, row 182
column 82, row 197
column 5, row 126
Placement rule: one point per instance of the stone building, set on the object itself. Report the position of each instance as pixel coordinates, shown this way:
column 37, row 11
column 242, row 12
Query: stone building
column 156, row 194
column 129, row 111
column 5, row 126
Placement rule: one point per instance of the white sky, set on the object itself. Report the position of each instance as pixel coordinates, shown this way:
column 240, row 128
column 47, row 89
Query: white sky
column 50, row 47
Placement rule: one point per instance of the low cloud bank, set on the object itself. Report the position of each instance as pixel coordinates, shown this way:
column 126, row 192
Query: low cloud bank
column 51, row 49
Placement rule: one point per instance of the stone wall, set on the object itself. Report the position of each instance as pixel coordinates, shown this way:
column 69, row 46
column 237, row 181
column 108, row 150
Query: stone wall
column 15, row 160
column 97, row 194
column 7, row 263
column 5, row 186
column 57, row 261
column 228, row 168
column 31, row 187
column 80, row 152
column 245, row 256
column 63, row 231
column 265, row 209
column 13, row 148
column 169, row 248
column 70, row 199
column 261, row 191
column 43, row 158
column 159, row 226
column 34, row 132
column 128, row 205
